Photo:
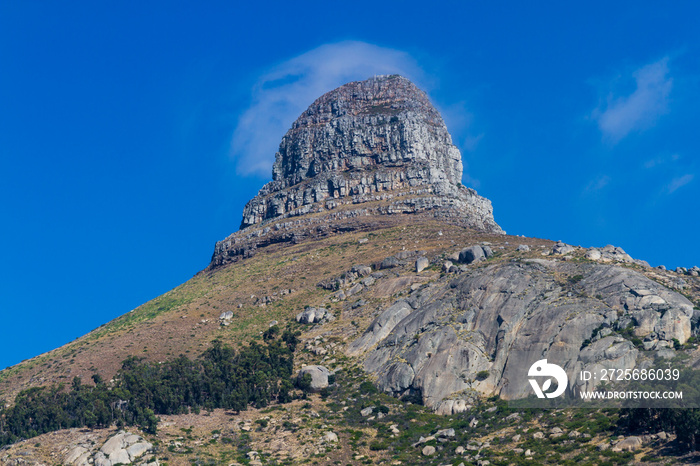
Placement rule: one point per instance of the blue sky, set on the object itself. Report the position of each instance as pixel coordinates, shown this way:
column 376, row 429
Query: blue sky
column 133, row 133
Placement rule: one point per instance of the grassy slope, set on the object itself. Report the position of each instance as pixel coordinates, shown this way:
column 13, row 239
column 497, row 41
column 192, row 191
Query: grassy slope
column 185, row 319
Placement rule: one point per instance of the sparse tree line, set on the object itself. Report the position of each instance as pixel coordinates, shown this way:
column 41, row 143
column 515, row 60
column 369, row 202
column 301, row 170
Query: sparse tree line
column 684, row 422
column 682, row 417
column 256, row 375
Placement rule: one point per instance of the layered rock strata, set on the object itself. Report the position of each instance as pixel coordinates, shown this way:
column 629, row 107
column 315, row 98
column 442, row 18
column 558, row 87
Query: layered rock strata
column 366, row 149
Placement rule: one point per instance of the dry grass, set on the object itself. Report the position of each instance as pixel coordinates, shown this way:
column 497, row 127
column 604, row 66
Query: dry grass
column 185, row 319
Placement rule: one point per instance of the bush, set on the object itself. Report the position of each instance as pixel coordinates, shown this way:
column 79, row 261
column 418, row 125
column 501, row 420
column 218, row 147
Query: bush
column 304, row 382
column 376, row 446
column 368, row 388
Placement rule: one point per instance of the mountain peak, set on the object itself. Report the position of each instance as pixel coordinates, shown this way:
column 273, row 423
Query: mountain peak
column 368, row 149
column 384, row 120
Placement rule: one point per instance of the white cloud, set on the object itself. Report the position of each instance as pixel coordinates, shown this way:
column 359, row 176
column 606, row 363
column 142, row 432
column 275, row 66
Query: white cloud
column 597, row 183
column 679, row 182
column 460, row 121
column 283, row 93
column 661, row 160
column 640, row 109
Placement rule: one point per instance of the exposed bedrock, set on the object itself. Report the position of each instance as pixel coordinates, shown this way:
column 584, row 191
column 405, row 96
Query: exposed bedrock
column 481, row 331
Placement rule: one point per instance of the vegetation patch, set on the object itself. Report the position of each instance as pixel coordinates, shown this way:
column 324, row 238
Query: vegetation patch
column 257, row 375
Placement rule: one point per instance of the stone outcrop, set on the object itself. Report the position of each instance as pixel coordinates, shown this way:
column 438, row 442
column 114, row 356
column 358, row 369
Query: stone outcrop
column 121, row 448
column 479, row 332
column 366, row 141
column 319, row 377
column 311, row 315
column 364, row 150
column 628, row 444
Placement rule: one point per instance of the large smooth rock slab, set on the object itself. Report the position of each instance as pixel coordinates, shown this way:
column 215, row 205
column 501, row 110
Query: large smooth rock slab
column 472, row 254
column 115, row 443
column 381, row 327
column 138, row 449
column 319, row 377
column 503, row 317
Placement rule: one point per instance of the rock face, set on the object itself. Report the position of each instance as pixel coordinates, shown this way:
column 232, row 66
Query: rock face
column 369, row 148
column 379, row 138
column 124, row 448
column 628, row 444
column 474, row 254
column 497, row 320
column 319, row 377
column 311, row 315
column 121, row 448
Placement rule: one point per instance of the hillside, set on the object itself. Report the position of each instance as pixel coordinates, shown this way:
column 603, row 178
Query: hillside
column 431, row 313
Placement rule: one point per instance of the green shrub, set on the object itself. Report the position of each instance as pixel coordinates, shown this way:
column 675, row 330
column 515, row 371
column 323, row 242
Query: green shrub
column 368, row 388
column 376, row 446
column 304, row 382
column 263, row 422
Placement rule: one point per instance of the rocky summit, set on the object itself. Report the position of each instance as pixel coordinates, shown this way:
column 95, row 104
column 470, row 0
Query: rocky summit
column 364, row 150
